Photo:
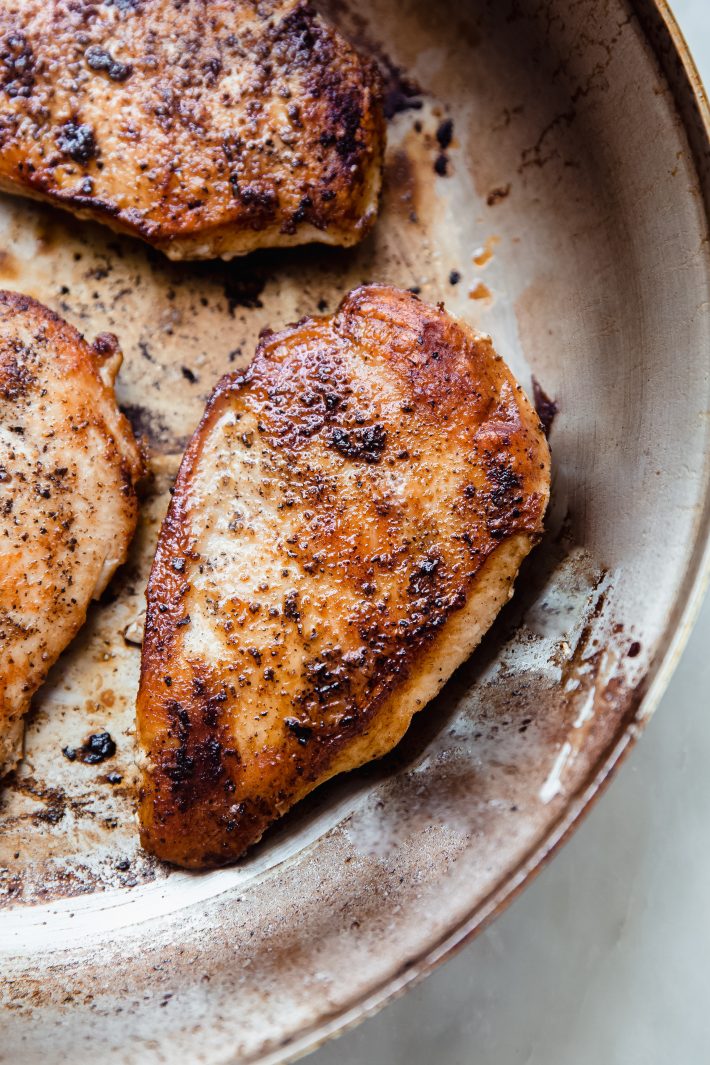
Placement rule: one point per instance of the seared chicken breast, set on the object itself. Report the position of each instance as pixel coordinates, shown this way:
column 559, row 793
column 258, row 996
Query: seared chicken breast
column 205, row 128
column 347, row 521
column 68, row 467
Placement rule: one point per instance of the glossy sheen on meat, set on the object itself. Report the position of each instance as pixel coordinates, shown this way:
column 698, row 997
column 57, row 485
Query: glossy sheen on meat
column 68, row 466
column 206, row 127
column 347, row 521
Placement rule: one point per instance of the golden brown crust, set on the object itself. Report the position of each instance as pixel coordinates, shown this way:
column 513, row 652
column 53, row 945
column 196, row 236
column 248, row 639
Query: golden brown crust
column 369, row 480
column 205, row 128
column 68, row 510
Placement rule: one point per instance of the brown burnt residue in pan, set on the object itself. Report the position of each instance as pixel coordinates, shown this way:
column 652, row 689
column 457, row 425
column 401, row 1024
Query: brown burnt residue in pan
column 444, row 137
column 242, row 281
column 152, row 430
column 96, row 748
column 445, row 133
column 546, row 408
column 498, row 194
column 401, row 188
column 52, row 801
column 400, row 91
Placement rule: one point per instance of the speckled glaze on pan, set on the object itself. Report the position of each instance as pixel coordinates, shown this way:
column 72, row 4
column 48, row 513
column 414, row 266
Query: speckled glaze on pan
column 566, row 213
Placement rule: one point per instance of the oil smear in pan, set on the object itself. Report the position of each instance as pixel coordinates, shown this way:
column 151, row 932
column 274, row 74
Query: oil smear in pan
column 483, row 255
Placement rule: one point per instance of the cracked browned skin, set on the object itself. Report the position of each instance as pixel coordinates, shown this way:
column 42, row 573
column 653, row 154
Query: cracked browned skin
column 68, row 468
column 347, row 521
column 206, row 129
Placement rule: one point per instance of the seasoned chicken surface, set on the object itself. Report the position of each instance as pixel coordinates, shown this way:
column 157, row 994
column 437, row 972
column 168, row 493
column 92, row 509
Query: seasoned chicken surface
column 206, row 127
column 68, row 466
column 347, row 521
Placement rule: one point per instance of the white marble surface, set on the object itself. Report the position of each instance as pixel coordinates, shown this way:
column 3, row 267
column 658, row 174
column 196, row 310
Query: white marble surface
column 605, row 958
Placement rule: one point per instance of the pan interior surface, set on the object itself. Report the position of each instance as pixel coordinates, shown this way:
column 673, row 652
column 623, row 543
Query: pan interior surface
column 540, row 182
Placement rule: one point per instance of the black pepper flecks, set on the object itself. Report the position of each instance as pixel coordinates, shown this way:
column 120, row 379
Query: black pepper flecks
column 78, row 142
column 302, row 732
column 366, row 444
column 99, row 59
